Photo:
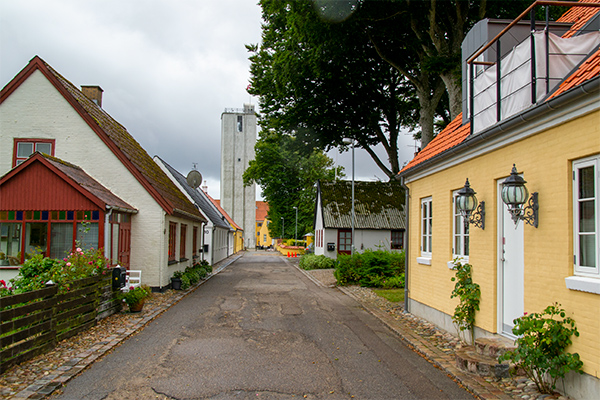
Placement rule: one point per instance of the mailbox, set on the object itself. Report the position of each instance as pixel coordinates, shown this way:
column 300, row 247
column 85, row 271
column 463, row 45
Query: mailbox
column 118, row 277
column 330, row 246
column 206, row 248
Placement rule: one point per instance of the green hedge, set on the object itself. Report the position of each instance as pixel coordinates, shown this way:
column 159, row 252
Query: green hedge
column 377, row 268
column 311, row 261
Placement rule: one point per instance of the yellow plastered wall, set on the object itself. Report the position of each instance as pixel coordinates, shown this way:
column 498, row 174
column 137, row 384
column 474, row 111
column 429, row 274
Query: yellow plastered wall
column 238, row 240
column 545, row 160
column 262, row 231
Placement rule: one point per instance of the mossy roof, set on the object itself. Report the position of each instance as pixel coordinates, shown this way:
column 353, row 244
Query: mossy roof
column 117, row 138
column 377, row 205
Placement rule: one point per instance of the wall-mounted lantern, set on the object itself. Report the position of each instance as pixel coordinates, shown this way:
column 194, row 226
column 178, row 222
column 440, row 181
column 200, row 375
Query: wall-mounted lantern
column 515, row 194
column 466, row 203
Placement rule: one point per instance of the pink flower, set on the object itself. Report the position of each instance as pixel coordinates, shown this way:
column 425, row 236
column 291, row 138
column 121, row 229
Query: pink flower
column 89, row 262
column 525, row 313
column 68, row 264
column 79, row 250
column 2, row 282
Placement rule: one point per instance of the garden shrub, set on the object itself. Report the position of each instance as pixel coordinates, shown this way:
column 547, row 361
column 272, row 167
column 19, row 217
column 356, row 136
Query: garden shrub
column 38, row 270
column 185, row 281
column 311, row 261
column 542, row 339
column 371, row 269
column 469, row 294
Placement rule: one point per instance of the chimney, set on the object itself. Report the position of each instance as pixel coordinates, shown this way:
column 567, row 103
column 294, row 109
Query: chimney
column 205, row 187
column 94, row 93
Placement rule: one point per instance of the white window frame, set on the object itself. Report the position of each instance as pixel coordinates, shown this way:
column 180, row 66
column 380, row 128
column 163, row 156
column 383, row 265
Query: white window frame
column 585, row 278
column 458, row 230
column 426, row 222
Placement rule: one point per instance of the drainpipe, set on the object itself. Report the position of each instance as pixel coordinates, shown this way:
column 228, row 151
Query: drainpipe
column 107, row 232
column 406, row 243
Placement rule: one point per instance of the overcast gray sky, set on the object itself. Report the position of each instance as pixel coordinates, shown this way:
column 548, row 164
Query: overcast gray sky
column 168, row 68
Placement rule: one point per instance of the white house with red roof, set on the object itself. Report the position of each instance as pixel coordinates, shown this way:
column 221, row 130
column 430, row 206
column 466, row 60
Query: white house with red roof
column 42, row 111
column 531, row 120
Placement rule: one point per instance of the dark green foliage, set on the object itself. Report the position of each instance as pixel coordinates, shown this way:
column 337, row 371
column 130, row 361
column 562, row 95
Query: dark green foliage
column 542, row 339
column 38, row 270
column 192, row 275
column 469, row 294
column 287, row 178
column 311, row 261
column 371, row 269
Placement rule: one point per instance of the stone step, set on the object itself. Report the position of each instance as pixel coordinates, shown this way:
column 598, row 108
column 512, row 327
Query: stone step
column 470, row 360
column 494, row 346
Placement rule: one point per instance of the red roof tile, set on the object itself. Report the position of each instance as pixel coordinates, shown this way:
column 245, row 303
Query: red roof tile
column 579, row 16
column 217, row 204
column 588, row 70
column 452, row 135
column 262, row 208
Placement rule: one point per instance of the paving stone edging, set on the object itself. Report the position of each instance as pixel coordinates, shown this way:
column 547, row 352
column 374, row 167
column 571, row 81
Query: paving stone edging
column 54, row 380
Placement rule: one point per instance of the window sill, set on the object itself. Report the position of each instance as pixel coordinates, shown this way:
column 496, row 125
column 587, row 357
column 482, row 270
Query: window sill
column 171, row 262
column 424, row 260
column 183, row 259
column 583, row 284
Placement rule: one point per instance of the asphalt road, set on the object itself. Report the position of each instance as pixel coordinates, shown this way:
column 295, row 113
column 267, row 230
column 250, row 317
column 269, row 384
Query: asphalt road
column 262, row 330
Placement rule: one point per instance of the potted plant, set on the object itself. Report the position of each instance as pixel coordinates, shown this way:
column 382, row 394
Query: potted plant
column 136, row 297
column 176, row 280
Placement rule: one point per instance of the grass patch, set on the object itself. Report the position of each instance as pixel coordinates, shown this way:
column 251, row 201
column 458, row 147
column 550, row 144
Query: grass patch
column 393, row 295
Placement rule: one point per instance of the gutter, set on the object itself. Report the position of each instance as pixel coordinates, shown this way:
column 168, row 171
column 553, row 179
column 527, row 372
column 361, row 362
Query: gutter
column 406, row 237
column 188, row 215
column 589, row 87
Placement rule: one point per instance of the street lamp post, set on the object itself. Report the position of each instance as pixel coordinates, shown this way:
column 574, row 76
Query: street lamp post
column 296, row 231
column 351, row 141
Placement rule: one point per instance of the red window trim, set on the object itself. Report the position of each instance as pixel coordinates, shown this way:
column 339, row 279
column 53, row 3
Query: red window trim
column 172, row 240
column 182, row 241
column 340, row 231
column 30, row 140
column 195, row 241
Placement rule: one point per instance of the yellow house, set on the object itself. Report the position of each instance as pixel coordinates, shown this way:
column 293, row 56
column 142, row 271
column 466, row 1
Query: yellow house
column 552, row 253
column 263, row 237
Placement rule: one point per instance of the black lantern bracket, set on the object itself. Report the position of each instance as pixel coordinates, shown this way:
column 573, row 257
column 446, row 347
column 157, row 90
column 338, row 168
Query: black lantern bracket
column 477, row 218
column 529, row 213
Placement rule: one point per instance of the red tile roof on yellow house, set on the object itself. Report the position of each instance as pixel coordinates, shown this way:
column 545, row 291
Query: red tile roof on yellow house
column 262, row 208
column 217, row 204
column 455, row 133
column 579, row 16
column 452, row 135
column 588, row 70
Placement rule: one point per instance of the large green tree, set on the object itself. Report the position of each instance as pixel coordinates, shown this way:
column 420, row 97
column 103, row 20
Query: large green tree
column 329, row 69
column 287, row 178
column 321, row 82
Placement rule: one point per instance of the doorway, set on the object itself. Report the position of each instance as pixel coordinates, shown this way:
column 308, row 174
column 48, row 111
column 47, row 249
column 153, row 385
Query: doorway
column 511, row 267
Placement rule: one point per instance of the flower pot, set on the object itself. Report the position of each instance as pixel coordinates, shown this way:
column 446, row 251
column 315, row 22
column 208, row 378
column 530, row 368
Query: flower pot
column 176, row 283
column 134, row 308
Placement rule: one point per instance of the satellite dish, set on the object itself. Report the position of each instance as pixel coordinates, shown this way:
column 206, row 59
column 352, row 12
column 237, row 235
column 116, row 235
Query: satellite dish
column 194, row 179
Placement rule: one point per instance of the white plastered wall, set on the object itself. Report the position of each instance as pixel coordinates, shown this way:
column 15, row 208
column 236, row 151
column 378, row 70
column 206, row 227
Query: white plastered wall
column 37, row 110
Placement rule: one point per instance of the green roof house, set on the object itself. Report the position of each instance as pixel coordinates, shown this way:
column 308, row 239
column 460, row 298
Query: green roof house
column 378, row 217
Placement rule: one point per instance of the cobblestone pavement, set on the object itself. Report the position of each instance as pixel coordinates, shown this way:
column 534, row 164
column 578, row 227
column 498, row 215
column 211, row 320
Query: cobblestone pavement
column 41, row 376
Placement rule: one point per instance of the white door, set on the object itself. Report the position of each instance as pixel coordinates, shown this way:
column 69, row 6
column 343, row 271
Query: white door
column 511, row 265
